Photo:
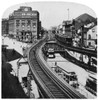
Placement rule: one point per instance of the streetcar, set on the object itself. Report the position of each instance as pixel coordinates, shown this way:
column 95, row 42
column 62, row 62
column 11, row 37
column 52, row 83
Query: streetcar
column 50, row 53
column 69, row 77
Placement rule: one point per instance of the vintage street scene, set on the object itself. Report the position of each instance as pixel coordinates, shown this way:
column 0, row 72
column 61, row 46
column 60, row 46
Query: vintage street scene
column 49, row 50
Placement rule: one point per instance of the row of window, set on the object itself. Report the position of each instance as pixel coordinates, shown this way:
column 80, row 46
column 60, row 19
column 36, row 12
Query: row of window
column 29, row 29
column 33, row 14
column 25, row 33
column 23, row 23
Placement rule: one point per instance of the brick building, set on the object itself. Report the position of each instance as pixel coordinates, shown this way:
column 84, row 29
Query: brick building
column 24, row 24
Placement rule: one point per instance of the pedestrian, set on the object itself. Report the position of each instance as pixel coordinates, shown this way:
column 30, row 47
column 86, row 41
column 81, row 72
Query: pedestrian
column 55, row 63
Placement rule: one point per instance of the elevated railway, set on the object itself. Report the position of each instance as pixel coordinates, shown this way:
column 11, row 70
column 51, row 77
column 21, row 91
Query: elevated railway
column 91, row 53
column 49, row 84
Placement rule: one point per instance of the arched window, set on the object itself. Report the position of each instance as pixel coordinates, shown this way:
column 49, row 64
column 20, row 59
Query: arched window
column 89, row 36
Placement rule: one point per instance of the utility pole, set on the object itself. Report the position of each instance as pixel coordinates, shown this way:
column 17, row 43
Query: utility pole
column 68, row 13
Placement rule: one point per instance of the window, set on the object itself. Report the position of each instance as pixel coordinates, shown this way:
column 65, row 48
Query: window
column 23, row 13
column 28, row 22
column 23, row 23
column 28, row 14
column 89, row 44
column 89, row 36
column 17, row 23
column 34, row 14
column 34, row 25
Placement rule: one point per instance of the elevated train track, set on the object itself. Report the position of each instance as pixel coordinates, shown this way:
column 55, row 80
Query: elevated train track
column 48, row 83
column 90, row 53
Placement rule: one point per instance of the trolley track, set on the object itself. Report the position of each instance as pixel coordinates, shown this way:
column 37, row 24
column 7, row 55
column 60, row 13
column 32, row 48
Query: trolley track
column 51, row 87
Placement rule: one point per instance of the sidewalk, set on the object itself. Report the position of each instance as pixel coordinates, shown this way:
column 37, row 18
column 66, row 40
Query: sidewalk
column 23, row 68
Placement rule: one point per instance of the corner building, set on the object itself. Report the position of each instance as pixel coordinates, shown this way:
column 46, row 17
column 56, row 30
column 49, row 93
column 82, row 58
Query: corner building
column 24, row 24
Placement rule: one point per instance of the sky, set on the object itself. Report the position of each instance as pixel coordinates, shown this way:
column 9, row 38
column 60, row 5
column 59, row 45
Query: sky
column 53, row 13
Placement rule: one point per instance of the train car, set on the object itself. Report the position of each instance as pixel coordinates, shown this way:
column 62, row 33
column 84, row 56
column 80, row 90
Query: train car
column 69, row 77
column 65, row 32
column 91, row 85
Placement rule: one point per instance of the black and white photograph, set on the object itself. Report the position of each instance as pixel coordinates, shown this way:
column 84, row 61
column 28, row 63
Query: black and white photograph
column 49, row 51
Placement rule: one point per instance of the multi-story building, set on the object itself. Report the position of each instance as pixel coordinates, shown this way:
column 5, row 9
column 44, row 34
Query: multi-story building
column 90, row 37
column 4, row 26
column 24, row 24
column 87, row 36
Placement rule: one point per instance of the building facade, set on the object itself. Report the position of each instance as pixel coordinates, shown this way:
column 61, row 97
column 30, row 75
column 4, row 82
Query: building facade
column 24, row 24
column 90, row 37
column 5, row 26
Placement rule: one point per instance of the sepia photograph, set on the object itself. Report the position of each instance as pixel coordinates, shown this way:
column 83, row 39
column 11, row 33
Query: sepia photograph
column 49, row 51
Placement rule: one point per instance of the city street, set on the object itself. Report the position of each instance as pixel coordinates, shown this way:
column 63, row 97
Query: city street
column 49, row 50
